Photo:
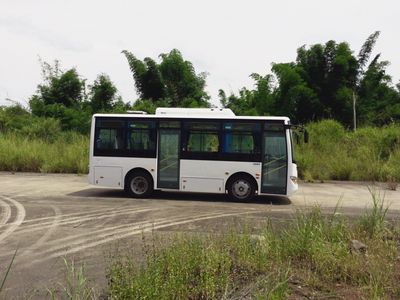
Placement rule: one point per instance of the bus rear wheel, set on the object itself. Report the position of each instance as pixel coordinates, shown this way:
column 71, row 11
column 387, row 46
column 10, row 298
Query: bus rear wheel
column 241, row 188
column 139, row 185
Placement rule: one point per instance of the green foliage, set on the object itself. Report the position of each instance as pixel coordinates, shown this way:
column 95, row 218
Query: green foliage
column 173, row 80
column 68, row 153
column 333, row 152
column 62, row 96
column 312, row 251
column 102, row 94
column 322, row 83
column 76, row 286
column 195, row 268
column 65, row 88
column 46, row 129
column 373, row 221
column 16, row 119
column 191, row 271
column 13, row 117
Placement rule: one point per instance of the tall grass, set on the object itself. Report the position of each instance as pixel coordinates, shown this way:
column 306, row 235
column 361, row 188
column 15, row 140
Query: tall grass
column 312, row 252
column 68, row 153
column 370, row 153
column 76, row 285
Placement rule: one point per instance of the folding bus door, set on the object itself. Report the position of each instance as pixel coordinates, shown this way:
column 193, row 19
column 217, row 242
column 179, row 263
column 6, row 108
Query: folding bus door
column 168, row 158
column 274, row 169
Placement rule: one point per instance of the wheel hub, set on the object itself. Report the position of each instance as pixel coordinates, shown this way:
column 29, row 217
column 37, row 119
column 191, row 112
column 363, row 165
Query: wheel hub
column 139, row 185
column 241, row 188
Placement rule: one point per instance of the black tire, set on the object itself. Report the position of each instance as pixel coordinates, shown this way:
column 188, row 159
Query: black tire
column 241, row 188
column 139, row 185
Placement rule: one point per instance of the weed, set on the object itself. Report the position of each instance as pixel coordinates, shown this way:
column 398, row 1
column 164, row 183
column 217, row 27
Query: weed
column 392, row 184
column 76, row 285
column 373, row 221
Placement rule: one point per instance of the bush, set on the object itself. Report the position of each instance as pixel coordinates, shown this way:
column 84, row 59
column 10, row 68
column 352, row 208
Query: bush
column 46, row 129
column 24, row 154
column 370, row 153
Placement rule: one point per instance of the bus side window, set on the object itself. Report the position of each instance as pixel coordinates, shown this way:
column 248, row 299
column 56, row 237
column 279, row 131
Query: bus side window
column 239, row 143
column 107, row 139
column 203, row 142
column 118, row 140
column 141, row 136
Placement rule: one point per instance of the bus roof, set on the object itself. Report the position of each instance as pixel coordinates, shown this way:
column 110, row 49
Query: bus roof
column 194, row 113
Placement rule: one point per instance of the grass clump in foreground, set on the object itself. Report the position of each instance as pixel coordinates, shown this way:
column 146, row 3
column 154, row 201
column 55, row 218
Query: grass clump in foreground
column 307, row 257
column 76, row 286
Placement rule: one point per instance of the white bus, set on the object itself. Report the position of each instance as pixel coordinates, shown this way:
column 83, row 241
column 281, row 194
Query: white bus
column 193, row 150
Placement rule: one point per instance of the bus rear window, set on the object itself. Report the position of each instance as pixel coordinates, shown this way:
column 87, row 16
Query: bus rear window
column 125, row 138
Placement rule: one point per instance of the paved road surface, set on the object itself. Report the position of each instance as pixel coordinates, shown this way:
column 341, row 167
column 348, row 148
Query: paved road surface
column 48, row 217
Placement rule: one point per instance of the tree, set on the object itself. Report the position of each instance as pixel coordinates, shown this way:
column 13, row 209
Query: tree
column 61, row 96
column 379, row 101
column 172, row 81
column 293, row 97
column 102, row 94
column 328, row 70
column 146, row 74
column 182, row 83
column 66, row 88
column 363, row 57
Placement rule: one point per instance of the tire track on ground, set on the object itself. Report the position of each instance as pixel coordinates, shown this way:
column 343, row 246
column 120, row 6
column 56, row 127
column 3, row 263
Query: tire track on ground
column 71, row 214
column 81, row 219
column 132, row 230
column 80, row 238
column 90, row 233
column 49, row 232
column 5, row 212
column 18, row 219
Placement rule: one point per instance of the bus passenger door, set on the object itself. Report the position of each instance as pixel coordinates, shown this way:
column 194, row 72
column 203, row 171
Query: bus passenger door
column 274, row 165
column 168, row 159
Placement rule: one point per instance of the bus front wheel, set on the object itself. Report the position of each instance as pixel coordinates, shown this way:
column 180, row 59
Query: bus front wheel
column 241, row 188
column 139, row 185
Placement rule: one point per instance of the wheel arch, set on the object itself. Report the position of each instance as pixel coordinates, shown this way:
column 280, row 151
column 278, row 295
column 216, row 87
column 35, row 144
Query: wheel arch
column 241, row 174
column 135, row 170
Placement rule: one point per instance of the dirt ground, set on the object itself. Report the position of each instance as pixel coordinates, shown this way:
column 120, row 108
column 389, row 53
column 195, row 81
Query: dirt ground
column 50, row 217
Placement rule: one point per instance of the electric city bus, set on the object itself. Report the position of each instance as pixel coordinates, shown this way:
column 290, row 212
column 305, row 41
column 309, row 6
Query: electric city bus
column 201, row 150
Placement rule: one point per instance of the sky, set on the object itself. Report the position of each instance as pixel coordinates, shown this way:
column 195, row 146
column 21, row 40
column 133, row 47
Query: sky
column 228, row 39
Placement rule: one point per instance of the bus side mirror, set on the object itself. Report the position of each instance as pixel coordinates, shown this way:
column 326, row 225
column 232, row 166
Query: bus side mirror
column 305, row 136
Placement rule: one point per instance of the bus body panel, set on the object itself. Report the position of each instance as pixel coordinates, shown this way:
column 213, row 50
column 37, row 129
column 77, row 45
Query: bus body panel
column 217, row 171
column 125, row 163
